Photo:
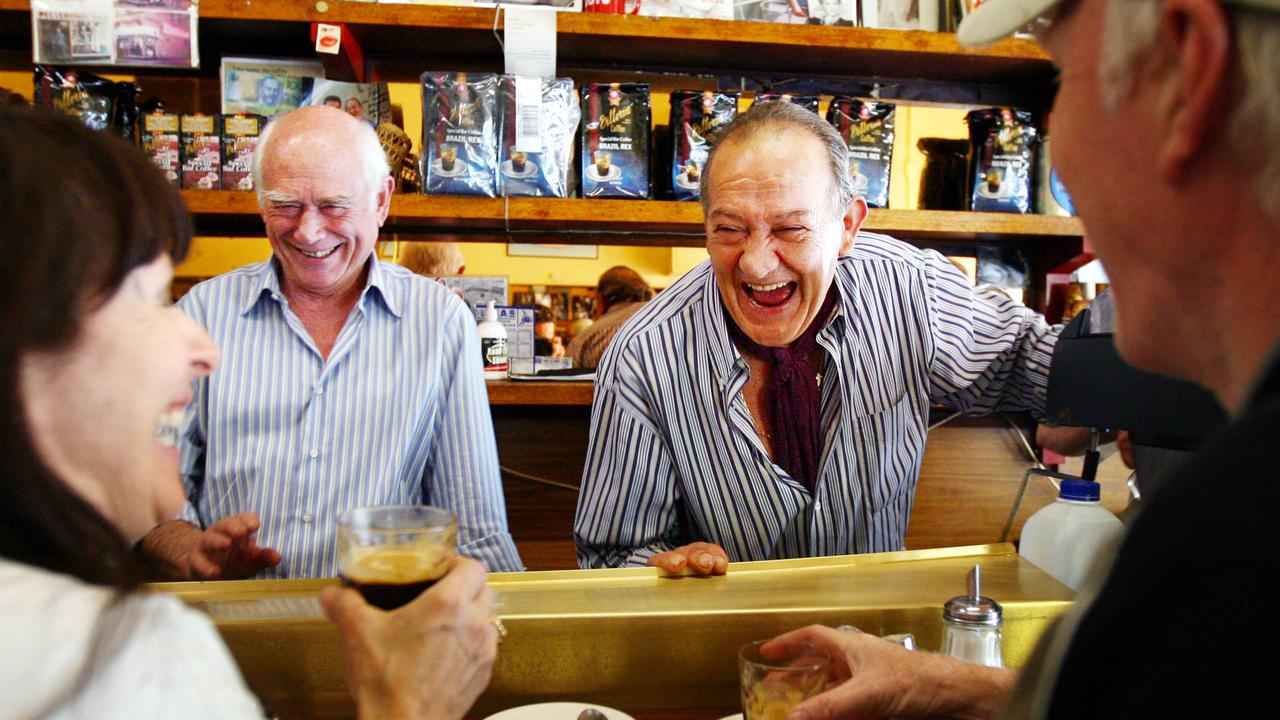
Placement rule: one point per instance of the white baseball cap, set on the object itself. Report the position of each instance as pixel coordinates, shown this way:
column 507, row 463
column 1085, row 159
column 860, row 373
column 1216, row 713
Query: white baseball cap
column 997, row 19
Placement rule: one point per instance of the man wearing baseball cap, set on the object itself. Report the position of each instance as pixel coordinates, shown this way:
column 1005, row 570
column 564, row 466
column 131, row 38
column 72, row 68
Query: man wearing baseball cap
column 1166, row 129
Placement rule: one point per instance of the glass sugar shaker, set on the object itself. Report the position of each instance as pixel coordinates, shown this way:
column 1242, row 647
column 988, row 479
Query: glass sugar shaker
column 972, row 626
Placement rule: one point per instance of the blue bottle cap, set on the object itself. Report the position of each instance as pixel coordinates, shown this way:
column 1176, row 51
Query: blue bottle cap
column 1080, row 490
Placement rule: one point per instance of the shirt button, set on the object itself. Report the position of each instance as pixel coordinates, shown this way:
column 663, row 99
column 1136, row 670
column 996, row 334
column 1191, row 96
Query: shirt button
column 315, row 453
column 275, row 296
column 306, row 518
column 319, row 389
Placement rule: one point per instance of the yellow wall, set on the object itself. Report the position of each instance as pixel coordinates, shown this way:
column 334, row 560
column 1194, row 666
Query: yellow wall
column 660, row 266
column 19, row 82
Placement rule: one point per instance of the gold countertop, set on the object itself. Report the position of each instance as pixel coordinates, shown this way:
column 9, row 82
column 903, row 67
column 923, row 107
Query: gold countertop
column 630, row 638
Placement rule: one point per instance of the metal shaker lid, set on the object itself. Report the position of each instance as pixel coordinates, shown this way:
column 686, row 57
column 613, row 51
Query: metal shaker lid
column 973, row 608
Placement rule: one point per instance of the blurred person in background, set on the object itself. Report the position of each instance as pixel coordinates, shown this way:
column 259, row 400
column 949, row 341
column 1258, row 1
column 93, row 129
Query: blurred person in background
column 546, row 343
column 620, row 292
column 433, row 259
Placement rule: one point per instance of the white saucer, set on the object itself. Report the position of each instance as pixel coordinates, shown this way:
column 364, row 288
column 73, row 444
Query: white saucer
column 732, row 717
column 556, row 711
column 683, row 181
column 459, row 168
column 530, row 169
column 614, row 173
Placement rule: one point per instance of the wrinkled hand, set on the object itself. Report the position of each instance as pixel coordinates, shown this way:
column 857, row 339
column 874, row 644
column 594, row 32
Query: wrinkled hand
column 700, row 558
column 227, row 550
column 880, row 679
column 429, row 659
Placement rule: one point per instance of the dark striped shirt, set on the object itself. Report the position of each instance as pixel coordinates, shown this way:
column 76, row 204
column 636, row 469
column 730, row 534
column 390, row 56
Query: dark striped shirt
column 397, row 413
column 674, row 456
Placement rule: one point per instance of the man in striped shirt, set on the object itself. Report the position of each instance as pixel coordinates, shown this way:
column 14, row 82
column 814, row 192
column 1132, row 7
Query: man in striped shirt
column 774, row 401
column 345, row 381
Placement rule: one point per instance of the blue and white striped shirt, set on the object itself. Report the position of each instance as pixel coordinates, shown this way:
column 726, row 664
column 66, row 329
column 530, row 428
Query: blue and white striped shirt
column 397, row 414
column 674, row 456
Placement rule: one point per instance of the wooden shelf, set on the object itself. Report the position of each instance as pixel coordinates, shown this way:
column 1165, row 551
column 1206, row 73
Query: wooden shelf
column 463, row 35
column 531, row 392
column 614, row 222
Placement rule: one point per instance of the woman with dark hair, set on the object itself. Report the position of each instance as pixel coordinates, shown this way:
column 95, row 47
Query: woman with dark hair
column 95, row 371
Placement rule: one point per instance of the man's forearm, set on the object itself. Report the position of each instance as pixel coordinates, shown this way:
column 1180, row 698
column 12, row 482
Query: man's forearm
column 978, row 693
column 167, row 549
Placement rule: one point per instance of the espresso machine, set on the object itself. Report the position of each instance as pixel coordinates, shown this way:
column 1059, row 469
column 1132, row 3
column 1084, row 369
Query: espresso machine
column 1091, row 386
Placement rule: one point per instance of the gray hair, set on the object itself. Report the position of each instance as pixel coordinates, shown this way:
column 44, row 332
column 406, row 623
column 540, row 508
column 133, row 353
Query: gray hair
column 432, row 259
column 772, row 119
column 368, row 149
column 1253, row 130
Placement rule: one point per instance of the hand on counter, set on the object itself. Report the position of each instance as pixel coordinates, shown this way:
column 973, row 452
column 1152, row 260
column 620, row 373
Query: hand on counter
column 700, row 558
column 227, row 550
column 878, row 678
column 429, row 659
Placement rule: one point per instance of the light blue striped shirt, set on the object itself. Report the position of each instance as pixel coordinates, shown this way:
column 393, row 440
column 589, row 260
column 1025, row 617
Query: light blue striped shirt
column 674, row 456
column 397, row 414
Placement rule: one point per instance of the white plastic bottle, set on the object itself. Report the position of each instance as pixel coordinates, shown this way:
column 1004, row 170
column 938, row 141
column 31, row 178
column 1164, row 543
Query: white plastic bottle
column 1066, row 538
column 493, row 345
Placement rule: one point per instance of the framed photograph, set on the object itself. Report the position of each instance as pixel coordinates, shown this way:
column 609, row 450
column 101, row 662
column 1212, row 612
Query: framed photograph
column 266, row 86
column 158, row 33
column 589, row 252
column 156, row 37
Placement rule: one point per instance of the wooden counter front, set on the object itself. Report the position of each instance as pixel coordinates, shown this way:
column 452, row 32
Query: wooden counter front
column 649, row 645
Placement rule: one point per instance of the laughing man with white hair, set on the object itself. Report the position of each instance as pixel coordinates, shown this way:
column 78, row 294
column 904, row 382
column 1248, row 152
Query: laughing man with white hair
column 346, row 381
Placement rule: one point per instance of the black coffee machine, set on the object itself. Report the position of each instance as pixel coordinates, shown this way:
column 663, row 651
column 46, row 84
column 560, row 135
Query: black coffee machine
column 1091, row 386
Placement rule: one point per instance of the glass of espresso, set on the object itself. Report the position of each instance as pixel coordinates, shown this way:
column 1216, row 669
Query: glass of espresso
column 392, row 553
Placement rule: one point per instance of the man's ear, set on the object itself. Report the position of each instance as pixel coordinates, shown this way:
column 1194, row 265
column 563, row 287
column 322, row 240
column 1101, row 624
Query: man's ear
column 1194, row 56
column 384, row 199
column 853, row 220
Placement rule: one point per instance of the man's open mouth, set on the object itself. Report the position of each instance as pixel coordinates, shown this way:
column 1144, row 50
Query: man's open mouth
column 771, row 295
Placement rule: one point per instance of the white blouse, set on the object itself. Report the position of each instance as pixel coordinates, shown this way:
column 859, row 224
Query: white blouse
column 67, row 651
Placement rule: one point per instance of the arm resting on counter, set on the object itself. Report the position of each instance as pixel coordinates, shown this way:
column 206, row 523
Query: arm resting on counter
column 462, row 473
column 227, row 550
column 881, row 679
column 699, row 558
column 627, row 508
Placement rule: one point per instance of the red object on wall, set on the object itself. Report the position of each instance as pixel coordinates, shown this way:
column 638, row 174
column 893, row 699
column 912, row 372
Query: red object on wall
column 349, row 64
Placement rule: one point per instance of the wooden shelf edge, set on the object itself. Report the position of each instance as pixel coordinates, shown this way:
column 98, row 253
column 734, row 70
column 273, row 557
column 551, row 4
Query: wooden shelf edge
column 521, row 392
column 589, row 221
column 599, row 25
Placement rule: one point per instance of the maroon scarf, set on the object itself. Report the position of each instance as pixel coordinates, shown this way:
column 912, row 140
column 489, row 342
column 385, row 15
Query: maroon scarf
column 792, row 395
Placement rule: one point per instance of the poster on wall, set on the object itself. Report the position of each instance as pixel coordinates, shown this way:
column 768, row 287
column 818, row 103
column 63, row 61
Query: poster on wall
column 552, row 250
column 154, row 33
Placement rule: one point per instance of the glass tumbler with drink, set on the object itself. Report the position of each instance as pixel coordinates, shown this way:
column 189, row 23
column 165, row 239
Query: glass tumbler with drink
column 393, row 553
column 772, row 686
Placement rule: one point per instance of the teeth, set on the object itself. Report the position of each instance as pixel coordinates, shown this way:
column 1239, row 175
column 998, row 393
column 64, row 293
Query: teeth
column 169, row 427
column 321, row 254
column 766, row 288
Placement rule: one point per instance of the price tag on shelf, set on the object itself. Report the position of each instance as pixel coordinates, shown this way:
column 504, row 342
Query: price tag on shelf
column 528, row 114
column 529, row 41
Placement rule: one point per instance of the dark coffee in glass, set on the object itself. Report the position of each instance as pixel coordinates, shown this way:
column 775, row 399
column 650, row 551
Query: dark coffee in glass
column 392, row 554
